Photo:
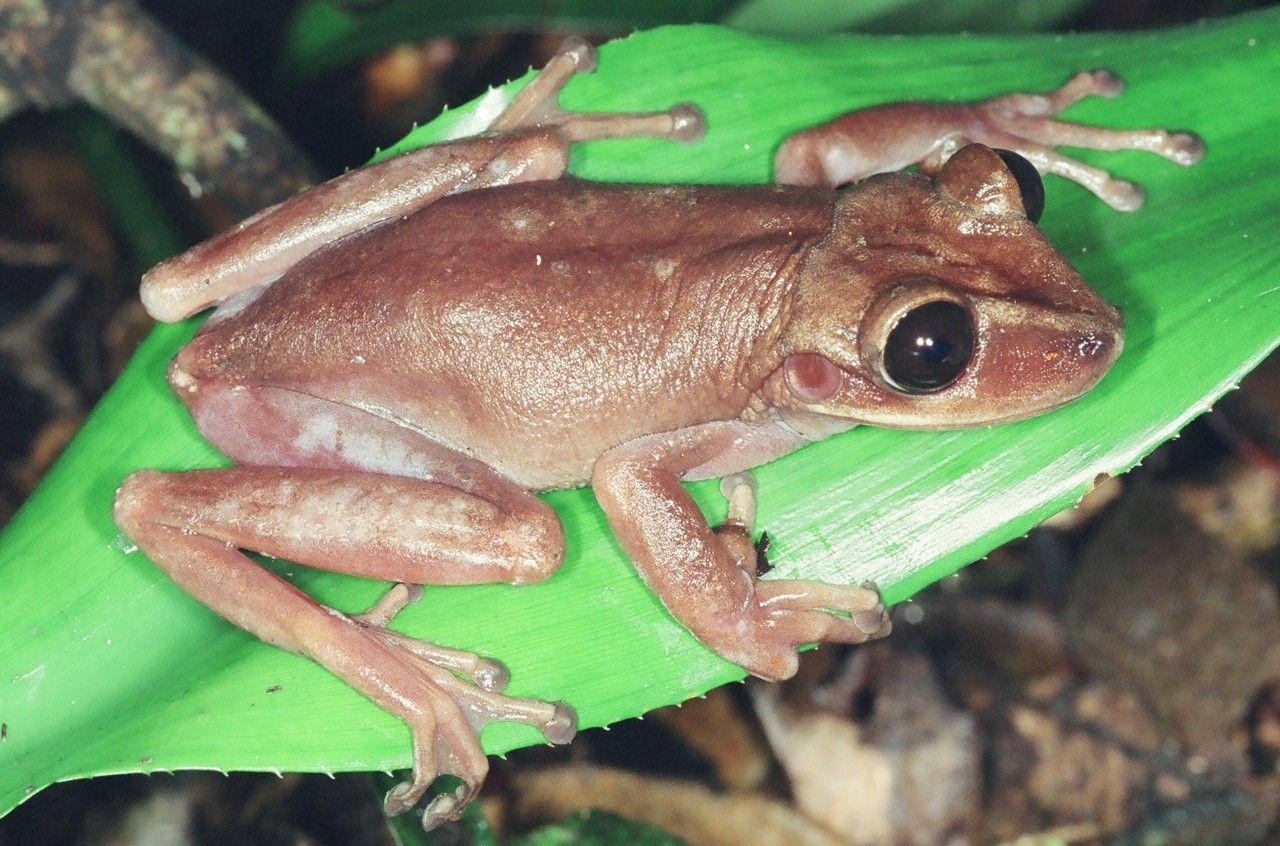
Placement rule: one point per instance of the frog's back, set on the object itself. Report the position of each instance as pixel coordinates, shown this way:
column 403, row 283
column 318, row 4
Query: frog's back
column 533, row 326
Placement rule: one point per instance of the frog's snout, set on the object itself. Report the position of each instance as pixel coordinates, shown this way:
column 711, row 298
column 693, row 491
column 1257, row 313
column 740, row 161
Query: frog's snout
column 1101, row 347
column 1104, row 342
column 1093, row 348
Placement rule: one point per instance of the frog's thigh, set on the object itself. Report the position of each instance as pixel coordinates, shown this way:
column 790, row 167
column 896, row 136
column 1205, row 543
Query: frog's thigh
column 277, row 427
column 346, row 490
column 366, row 524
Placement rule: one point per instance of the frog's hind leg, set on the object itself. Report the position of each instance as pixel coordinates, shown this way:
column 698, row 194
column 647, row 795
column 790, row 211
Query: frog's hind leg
column 1030, row 117
column 529, row 141
column 260, row 249
column 193, row 525
column 888, row 137
column 330, row 500
column 536, row 106
column 1025, row 124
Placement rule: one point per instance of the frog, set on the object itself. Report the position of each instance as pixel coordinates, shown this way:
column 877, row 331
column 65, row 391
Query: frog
column 400, row 359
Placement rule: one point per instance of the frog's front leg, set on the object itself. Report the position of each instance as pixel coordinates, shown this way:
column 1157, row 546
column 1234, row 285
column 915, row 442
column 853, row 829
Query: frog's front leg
column 707, row 578
column 886, row 138
column 529, row 141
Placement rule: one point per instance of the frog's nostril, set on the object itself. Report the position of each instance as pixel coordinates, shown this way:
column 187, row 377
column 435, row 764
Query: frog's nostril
column 1099, row 347
column 1092, row 346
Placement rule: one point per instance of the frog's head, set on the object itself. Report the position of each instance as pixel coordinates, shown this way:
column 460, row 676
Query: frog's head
column 937, row 304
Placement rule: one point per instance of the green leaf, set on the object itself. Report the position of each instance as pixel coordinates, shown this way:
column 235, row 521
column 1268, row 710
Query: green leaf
column 323, row 35
column 326, row 34
column 819, row 17
column 598, row 828
column 107, row 667
column 109, row 157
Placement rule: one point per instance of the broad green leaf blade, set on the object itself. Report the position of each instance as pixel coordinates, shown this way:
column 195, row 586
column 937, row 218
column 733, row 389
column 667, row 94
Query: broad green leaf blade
column 109, row 668
column 324, row 35
column 820, row 17
column 598, row 828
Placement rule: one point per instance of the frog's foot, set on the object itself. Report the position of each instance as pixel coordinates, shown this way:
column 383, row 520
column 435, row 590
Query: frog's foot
column 788, row 613
column 447, row 720
column 536, row 105
column 482, row 701
column 810, row 612
column 446, row 723
column 1024, row 123
column 784, row 615
column 707, row 578
column 487, row 673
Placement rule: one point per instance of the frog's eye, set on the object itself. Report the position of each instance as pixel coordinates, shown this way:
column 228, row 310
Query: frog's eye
column 1030, row 186
column 929, row 347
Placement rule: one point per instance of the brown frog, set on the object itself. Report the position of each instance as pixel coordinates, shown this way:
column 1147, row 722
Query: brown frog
column 401, row 356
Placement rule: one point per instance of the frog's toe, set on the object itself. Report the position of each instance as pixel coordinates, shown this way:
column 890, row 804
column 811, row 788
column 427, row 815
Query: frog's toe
column 491, row 675
column 1104, row 83
column 402, row 797
column 875, row 621
column 1185, row 148
column 1122, row 195
column 873, row 624
column 769, row 654
column 809, row 612
column 562, row 725
column 579, row 51
column 821, row 626
column 688, row 122
column 448, row 806
column 391, row 603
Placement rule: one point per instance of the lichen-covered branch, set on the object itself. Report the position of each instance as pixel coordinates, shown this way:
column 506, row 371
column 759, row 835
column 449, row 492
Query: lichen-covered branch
column 113, row 56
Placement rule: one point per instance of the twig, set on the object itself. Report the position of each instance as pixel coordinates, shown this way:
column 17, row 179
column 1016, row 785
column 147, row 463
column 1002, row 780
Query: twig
column 111, row 55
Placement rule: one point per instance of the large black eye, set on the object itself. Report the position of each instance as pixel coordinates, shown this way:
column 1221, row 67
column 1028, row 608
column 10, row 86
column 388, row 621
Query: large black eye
column 1030, row 185
column 929, row 348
